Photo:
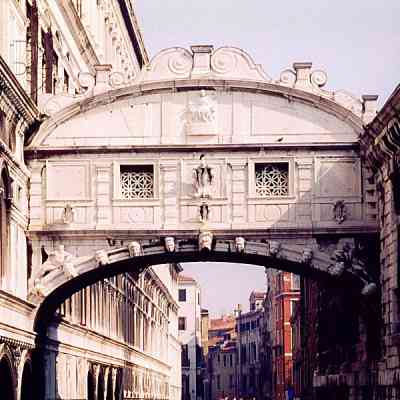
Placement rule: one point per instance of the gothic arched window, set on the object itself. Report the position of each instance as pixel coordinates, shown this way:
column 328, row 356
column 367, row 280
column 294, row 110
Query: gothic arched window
column 4, row 195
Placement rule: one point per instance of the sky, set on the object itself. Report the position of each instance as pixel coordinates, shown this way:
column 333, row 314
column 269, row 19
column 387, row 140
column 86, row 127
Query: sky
column 357, row 42
column 224, row 285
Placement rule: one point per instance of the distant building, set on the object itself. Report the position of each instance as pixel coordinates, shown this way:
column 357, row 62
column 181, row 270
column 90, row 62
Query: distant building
column 222, row 357
column 249, row 338
column 222, row 366
column 189, row 327
column 283, row 293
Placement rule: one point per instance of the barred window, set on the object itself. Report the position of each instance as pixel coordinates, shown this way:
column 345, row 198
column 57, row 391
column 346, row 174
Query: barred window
column 272, row 179
column 137, row 181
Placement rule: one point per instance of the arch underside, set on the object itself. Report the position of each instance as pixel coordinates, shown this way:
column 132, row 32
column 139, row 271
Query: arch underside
column 60, row 284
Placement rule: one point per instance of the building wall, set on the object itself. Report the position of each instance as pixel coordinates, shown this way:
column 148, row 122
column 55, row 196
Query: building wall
column 222, row 364
column 190, row 337
column 283, row 293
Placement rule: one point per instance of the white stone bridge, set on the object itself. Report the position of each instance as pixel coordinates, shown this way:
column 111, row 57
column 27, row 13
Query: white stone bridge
column 202, row 142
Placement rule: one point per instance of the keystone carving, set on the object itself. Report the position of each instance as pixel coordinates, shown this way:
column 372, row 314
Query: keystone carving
column 240, row 244
column 169, row 243
column 135, row 250
column 205, row 241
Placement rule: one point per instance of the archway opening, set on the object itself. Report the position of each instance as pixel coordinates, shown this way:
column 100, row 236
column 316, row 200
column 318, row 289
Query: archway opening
column 6, row 380
column 91, row 386
column 109, row 386
column 100, row 385
column 27, row 383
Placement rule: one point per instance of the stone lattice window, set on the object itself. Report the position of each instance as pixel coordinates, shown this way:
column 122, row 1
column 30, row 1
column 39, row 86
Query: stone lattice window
column 137, row 181
column 272, row 179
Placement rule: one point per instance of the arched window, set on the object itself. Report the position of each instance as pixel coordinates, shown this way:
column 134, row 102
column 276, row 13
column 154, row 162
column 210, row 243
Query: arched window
column 91, row 386
column 100, row 385
column 6, row 380
column 27, row 383
column 4, row 197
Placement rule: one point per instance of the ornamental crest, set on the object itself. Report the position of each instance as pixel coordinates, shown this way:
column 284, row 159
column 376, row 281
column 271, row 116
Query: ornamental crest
column 200, row 116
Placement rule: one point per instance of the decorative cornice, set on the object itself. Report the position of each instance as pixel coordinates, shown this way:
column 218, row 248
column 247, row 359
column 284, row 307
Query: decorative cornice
column 79, row 33
column 18, row 103
column 381, row 140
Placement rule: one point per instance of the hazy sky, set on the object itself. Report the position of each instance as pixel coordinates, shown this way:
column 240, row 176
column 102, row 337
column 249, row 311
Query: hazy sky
column 225, row 285
column 357, row 42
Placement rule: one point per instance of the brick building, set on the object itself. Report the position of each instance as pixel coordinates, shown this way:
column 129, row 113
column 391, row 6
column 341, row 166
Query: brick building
column 283, row 293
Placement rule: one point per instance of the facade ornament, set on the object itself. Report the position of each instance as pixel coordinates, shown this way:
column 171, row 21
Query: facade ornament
column 134, row 248
column 203, row 179
column 274, row 248
column 68, row 214
column 351, row 258
column 204, row 212
column 339, row 211
column 200, row 115
column 205, row 240
column 169, row 243
column 307, row 255
column 101, row 257
column 240, row 244
column 59, row 259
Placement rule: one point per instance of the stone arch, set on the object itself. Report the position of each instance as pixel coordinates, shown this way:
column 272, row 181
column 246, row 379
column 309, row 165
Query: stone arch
column 100, row 385
column 109, row 394
column 27, row 381
column 91, row 385
column 118, row 385
column 55, row 283
column 5, row 201
column 8, row 376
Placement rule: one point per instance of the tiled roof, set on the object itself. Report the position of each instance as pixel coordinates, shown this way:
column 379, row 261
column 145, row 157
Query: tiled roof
column 226, row 322
column 185, row 278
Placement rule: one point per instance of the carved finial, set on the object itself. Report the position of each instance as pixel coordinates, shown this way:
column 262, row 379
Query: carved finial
column 134, row 248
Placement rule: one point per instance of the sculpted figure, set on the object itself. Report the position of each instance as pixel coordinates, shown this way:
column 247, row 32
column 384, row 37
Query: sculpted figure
column 68, row 214
column 57, row 259
column 204, row 212
column 202, row 110
column 205, row 241
column 101, row 257
column 203, row 179
column 134, row 249
column 240, row 244
column 169, row 243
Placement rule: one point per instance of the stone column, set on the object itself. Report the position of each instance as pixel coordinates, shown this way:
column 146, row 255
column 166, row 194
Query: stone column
column 103, row 195
column 304, row 209
column 169, row 191
column 239, row 208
